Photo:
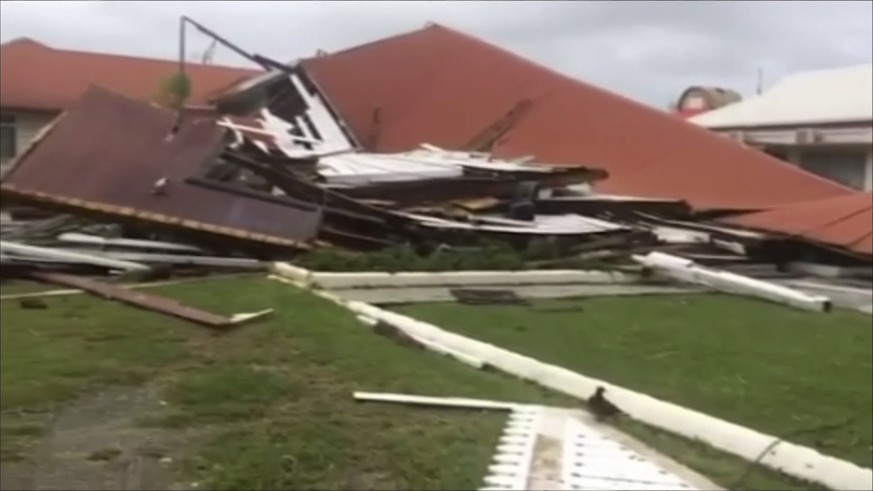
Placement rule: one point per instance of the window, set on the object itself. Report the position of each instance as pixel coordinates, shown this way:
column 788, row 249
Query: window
column 8, row 137
column 847, row 167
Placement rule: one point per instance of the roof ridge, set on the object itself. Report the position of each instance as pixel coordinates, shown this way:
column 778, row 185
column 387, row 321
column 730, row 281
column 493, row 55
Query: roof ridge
column 429, row 25
column 144, row 58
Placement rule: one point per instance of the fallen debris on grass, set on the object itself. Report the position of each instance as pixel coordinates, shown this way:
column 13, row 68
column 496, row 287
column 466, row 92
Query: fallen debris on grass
column 685, row 270
column 151, row 302
column 543, row 444
column 480, row 296
column 456, row 402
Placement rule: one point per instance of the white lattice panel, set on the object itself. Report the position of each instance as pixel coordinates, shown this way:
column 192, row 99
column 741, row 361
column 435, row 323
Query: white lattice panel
column 511, row 463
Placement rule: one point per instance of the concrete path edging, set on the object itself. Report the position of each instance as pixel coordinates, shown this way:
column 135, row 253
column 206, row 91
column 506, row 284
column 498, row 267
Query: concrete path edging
column 378, row 279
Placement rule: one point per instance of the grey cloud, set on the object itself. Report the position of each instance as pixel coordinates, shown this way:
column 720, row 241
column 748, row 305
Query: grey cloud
column 648, row 51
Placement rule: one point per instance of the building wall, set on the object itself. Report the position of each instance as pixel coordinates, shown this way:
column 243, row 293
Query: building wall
column 848, row 164
column 27, row 125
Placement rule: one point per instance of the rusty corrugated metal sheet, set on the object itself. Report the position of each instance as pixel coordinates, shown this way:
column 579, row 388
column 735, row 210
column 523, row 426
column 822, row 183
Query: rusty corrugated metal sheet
column 443, row 87
column 845, row 222
column 107, row 153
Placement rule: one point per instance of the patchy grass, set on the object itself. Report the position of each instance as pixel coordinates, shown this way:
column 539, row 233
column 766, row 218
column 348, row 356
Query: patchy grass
column 761, row 365
column 22, row 286
column 275, row 395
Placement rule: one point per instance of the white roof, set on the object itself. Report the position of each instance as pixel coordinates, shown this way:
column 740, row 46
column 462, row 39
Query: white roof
column 822, row 96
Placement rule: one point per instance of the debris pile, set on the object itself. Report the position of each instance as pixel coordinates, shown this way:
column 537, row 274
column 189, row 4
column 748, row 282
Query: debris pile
column 271, row 173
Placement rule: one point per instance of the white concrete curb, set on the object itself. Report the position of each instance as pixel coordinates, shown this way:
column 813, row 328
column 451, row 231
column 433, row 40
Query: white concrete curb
column 331, row 281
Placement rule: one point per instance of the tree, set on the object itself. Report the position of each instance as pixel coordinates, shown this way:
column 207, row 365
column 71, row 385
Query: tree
column 175, row 90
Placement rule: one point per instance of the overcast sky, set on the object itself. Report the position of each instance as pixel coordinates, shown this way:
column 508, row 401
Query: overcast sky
column 649, row 51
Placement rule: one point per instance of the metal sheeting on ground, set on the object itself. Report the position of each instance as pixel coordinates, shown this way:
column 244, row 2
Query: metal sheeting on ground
column 107, row 155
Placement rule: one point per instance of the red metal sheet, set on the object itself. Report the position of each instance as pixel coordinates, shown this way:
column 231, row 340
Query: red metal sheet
column 846, row 221
column 443, row 87
column 36, row 76
column 107, row 153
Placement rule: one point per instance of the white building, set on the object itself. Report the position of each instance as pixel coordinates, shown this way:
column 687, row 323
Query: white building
column 820, row 120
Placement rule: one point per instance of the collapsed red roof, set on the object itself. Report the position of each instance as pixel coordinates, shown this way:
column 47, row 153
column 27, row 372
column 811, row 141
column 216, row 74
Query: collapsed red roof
column 440, row 86
column 38, row 77
column 845, row 221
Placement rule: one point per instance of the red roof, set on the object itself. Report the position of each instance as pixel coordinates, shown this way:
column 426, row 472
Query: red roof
column 440, row 86
column 846, row 221
column 36, row 76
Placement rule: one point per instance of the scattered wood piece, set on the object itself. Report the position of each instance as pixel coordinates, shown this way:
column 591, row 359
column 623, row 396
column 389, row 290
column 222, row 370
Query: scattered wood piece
column 134, row 286
column 155, row 303
column 471, row 296
column 32, row 303
column 396, row 335
column 384, row 328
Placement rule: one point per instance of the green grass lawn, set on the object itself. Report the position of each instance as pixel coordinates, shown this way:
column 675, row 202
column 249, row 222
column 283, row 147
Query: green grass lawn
column 21, row 286
column 761, row 365
column 275, row 398
column 277, row 394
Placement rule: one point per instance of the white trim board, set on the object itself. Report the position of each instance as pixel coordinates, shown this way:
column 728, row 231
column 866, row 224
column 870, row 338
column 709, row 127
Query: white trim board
column 795, row 460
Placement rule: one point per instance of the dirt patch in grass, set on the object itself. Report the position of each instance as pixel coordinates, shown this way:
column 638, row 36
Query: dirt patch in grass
column 761, row 365
column 94, row 443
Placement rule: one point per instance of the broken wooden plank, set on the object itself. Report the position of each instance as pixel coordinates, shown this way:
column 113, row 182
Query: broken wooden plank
column 148, row 301
column 473, row 296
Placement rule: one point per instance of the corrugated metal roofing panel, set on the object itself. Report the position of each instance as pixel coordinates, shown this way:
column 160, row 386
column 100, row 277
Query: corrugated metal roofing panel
column 440, row 86
column 846, row 221
column 107, row 152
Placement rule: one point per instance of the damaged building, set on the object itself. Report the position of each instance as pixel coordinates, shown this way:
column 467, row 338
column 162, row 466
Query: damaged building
column 380, row 145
